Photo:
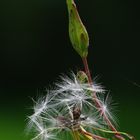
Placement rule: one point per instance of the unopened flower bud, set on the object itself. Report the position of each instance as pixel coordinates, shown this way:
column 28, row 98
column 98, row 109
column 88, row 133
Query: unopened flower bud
column 77, row 31
column 82, row 77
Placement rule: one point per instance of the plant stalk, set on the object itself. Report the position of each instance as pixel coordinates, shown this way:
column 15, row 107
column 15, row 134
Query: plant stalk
column 98, row 104
column 75, row 135
column 91, row 135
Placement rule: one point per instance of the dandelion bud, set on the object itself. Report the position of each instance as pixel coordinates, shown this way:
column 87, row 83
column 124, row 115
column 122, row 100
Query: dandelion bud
column 77, row 31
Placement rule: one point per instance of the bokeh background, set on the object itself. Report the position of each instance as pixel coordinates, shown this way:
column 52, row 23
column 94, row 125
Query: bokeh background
column 35, row 49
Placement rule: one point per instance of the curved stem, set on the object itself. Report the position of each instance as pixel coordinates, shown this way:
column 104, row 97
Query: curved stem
column 98, row 104
column 114, row 132
column 91, row 135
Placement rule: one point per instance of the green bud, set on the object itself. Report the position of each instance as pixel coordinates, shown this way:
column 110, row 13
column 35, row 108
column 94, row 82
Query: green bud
column 82, row 77
column 77, row 31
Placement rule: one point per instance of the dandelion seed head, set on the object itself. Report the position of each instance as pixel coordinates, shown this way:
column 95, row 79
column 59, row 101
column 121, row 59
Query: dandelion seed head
column 69, row 105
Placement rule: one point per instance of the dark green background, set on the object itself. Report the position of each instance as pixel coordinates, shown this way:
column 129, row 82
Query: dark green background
column 35, row 49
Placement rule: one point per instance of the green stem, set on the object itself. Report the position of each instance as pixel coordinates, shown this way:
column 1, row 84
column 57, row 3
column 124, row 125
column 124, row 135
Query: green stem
column 93, row 136
column 75, row 135
column 114, row 132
